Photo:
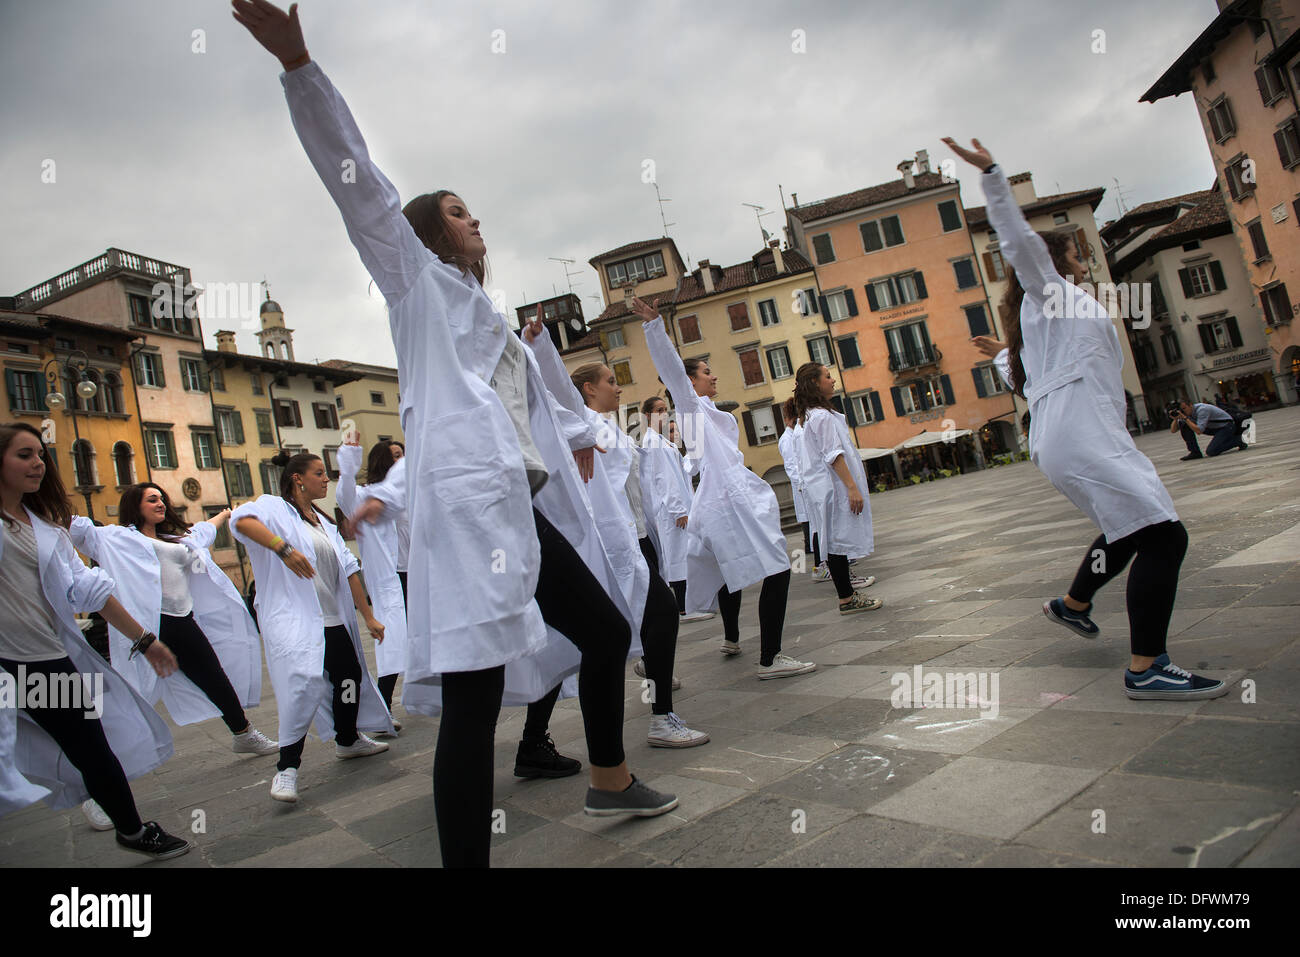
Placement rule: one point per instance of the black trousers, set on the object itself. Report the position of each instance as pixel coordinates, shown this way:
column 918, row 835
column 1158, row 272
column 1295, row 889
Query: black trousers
column 679, row 592
column 659, row 624
column 198, row 662
column 1157, row 552
column 85, row 745
column 839, row 566
column 771, row 614
column 344, row 673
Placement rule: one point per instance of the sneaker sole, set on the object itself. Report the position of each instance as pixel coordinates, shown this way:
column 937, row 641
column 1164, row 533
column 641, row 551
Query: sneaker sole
column 854, row 611
column 361, row 754
column 666, row 743
column 764, row 676
column 729, row 652
column 523, row 772
column 1201, row 695
column 1052, row 616
column 260, row 754
column 285, row 798
column 635, row 812
column 165, row 856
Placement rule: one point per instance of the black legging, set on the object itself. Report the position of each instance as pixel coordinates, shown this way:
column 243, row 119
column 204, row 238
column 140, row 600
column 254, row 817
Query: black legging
column 198, row 662
column 679, row 592
column 807, row 539
column 462, row 765
column 771, row 614
column 85, row 745
column 1152, row 584
column 839, row 566
column 816, row 550
column 659, row 624
column 341, row 667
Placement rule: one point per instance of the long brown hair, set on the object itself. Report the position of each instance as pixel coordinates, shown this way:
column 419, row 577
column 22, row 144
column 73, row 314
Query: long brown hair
column 381, row 459
column 1058, row 245
column 424, row 213
column 295, row 465
column 586, row 375
column 807, row 391
column 50, row 501
column 129, row 511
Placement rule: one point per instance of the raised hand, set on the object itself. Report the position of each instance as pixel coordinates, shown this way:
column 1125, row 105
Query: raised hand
column 647, row 313
column 162, row 660
column 279, row 32
column 216, row 521
column 988, row 345
column 534, row 328
column 978, row 157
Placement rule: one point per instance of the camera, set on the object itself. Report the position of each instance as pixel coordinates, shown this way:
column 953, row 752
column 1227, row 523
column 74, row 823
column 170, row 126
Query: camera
column 1173, row 410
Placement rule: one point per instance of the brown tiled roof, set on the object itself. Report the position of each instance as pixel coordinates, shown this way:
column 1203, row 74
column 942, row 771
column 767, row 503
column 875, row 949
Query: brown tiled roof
column 631, row 248
column 44, row 320
column 589, row 341
column 859, row 199
column 1209, row 211
column 1177, row 79
column 1208, row 218
column 977, row 217
column 322, row 370
column 1125, row 223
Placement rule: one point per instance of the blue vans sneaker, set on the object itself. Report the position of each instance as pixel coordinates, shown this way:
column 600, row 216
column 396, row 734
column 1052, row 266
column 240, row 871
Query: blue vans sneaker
column 1165, row 680
column 1076, row 621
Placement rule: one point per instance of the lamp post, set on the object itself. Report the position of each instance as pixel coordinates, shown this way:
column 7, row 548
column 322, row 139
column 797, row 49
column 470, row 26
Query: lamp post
column 77, row 363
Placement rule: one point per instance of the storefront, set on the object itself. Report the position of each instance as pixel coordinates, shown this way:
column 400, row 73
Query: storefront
column 1244, row 379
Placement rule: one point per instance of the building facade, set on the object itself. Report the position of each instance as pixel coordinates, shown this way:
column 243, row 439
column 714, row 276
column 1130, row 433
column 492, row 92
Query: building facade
column 372, row 402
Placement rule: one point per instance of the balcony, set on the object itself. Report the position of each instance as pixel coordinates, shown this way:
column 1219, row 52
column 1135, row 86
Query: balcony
column 111, row 263
column 915, row 358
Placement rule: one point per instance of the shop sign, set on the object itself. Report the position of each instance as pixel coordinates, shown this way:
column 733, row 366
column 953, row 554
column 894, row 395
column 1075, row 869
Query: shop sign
column 1238, row 358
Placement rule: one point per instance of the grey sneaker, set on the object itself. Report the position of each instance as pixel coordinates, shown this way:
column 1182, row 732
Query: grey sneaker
column 639, row 669
column 783, row 666
column 859, row 603
column 730, row 647
column 253, row 741
column 637, row 799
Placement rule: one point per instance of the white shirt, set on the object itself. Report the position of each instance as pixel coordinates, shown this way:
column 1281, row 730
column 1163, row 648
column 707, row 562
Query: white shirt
column 29, row 633
column 174, row 562
column 327, row 573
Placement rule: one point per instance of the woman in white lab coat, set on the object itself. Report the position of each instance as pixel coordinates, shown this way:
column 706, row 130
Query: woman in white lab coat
column 1064, row 358
column 837, row 484
column 735, row 521
column 494, row 485
column 383, row 538
column 307, row 585
column 789, row 445
column 59, row 749
column 166, row 579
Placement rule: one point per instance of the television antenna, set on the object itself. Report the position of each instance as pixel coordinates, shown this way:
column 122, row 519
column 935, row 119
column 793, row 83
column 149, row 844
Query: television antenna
column 568, row 276
column 660, row 200
column 759, row 213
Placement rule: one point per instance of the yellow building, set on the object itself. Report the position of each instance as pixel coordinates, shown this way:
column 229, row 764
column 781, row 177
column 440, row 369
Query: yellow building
column 373, row 401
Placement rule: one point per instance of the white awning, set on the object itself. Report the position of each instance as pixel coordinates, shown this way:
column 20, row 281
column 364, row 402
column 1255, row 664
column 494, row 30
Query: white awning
column 930, row 438
column 874, row 453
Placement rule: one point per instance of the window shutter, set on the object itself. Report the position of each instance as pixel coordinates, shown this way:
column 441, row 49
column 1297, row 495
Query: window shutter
column 976, row 319
column 198, row 458
column 897, row 393
column 946, row 384
column 779, row 417
column 751, row 368
column 11, row 384
column 988, row 268
column 877, row 411
column 1216, row 273
column 979, row 383
column 771, row 364
column 825, row 309
column 1085, row 250
column 1262, row 82
column 872, row 302
column 172, row 460
column 739, row 316
column 852, row 303
column 1279, row 140
column 1229, row 121
column 1207, row 339
column 810, row 297
column 1233, row 332
column 1185, row 277
column 750, row 434
column 924, row 395
column 204, row 383
column 690, row 328
column 920, row 285
column 239, row 428
column 849, row 415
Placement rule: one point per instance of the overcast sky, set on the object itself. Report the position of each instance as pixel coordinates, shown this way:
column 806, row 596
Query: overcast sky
column 190, row 157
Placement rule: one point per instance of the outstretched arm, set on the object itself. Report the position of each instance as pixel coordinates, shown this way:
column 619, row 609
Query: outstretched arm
column 667, row 362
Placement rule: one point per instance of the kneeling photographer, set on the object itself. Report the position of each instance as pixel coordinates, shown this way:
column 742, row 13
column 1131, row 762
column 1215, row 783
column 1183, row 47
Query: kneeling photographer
column 1223, row 427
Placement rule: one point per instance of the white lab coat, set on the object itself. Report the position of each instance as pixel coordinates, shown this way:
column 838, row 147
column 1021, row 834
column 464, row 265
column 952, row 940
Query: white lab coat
column 666, row 489
column 840, row 532
column 128, row 556
column 1077, row 433
column 735, row 520
column 293, row 628
column 788, row 446
column 378, row 543
column 32, row 765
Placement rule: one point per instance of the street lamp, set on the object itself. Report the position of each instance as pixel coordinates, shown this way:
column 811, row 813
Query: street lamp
column 77, row 363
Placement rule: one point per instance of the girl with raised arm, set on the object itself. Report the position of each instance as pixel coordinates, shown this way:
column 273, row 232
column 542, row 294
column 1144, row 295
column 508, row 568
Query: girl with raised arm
column 166, row 579
column 500, row 527
column 735, row 521
column 308, row 585
column 836, row 484
column 1063, row 356
column 68, row 751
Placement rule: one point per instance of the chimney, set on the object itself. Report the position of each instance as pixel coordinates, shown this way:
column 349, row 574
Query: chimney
column 777, row 260
column 922, row 161
column 905, row 168
column 706, row 275
column 225, row 341
column 794, row 198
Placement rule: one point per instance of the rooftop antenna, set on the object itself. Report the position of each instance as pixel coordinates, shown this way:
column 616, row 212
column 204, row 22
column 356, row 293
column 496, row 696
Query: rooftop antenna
column 660, row 199
column 759, row 213
column 565, row 264
column 1119, row 197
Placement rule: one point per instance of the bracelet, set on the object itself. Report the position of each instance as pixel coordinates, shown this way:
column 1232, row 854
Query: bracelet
column 301, row 60
column 142, row 644
column 285, row 550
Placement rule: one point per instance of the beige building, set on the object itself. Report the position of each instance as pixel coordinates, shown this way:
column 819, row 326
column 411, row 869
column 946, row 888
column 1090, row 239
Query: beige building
column 372, row 401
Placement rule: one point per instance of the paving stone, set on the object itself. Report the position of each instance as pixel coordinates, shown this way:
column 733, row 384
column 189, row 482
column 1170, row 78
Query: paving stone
column 1225, row 751
column 870, row 841
column 858, row 776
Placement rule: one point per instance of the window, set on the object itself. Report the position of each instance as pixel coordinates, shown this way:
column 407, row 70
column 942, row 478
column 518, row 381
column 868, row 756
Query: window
column 994, row 265
column 83, row 463
column 864, row 409
column 880, row 233
column 287, row 414
column 265, row 433
column 881, row 294
column 1173, row 351
column 909, row 287
column 1158, row 305
column 1220, row 334
column 330, row 456
column 909, row 346
column 318, row 385
column 1222, row 125
column 907, row 399
column 778, row 362
column 822, row 249
column 949, row 218
column 256, row 379
column 217, row 376
column 112, row 393
column 751, row 367
column 739, row 316
column 760, row 425
column 1256, row 231
column 976, row 319
column 19, row 347
column 615, row 340
column 808, row 305
column 205, row 450
column 160, row 448
column 230, row 426
column 223, row 539
column 690, row 328
column 338, row 402
column 376, row 398
column 767, row 313
column 839, row 305
column 1241, row 180
column 139, row 306
column 270, row 478
column 1202, row 279
column 1287, row 139
column 1060, row 219
column 192, row 377
column 623, row 372
column 327, row 416
column 819, row 351
column 96, row 402
column 848, row 347
column 635, row 270
column 1271, row 83
column 548, row 311
column 987, row 381
column 63, row 342
column 26, row 391
column 124, row 464
column 964, row 270
column 149, row 368
column 1277, row 307
column 239, row 481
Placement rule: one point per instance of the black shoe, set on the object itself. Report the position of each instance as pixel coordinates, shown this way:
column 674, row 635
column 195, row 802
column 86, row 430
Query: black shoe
column 1191, row 455
column 156, row 843
column 540, row 760
column 1242, row 446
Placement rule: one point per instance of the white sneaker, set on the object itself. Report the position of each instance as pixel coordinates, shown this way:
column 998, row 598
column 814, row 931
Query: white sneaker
column 639, row 668
column 783, row 666
column 285, row 786
column 669, row 731
column 823, row 575
column 695, row 616
column 856, row 582
column 96, row 816
column 253, row 741
column 362, row 747
column 730, row 647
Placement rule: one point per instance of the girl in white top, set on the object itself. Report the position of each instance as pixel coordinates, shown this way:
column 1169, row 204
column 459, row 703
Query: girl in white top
column 788, row 445
column 67, row 746
column 1063, row 356
column 735, row 521
column 836, row 484
column 308, row 583
column 167, row 580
